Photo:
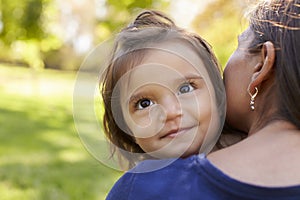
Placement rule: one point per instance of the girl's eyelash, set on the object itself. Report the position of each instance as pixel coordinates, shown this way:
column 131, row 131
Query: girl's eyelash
column 191, row 82
column 137, row 100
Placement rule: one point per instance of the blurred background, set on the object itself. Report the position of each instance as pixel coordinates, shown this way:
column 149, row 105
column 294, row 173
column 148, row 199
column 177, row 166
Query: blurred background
column 42, row 45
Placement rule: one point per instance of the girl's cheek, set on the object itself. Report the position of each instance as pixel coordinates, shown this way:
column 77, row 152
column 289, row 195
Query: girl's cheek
column 191, row 103
column 142, row 119
column 147, row 123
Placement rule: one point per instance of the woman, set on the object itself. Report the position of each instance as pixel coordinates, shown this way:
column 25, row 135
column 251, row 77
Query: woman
column 265, row 102
column 262, row 82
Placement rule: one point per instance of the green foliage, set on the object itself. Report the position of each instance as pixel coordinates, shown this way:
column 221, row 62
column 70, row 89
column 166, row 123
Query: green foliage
column 220, row 24
column 120, row 12
column 30, row 25
column 21, row 20
column 31, row 21
column 25, row 35
column 41, row 155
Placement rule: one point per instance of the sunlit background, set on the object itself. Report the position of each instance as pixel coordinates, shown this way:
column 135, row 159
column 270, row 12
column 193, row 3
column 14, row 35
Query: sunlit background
column 42, row 45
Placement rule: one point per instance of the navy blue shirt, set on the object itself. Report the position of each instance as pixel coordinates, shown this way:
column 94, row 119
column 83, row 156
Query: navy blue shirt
column 191, row 178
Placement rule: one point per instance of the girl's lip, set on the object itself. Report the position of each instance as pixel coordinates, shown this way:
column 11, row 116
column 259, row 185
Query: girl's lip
column 174, row 133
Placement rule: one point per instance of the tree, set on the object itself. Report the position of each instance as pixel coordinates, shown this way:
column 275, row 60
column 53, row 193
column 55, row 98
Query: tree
column 21, row 20
column 35, row 32
column 220, row 24
column 24, row 35
column 120, row 12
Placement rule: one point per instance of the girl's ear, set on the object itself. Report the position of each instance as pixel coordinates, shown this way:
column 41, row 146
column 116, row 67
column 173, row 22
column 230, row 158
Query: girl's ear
column 263, row 70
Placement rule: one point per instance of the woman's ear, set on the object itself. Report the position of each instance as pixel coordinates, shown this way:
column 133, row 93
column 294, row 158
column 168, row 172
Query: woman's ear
column 263, row 70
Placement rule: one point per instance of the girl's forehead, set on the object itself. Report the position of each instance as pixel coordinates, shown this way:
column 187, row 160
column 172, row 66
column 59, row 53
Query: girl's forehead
column 163, row 64
column 178, row 57
column 164, row 68
column 159, row 73
column 164, row 53
column 169, row 53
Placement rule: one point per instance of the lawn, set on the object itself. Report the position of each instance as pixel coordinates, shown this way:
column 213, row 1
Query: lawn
column 41, row 154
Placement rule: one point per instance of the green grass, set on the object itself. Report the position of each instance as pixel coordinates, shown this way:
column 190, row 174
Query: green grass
column 41, row 155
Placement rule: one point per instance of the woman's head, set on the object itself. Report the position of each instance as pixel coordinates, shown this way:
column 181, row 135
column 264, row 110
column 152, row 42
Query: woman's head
column 156, row 63
column 267, row 58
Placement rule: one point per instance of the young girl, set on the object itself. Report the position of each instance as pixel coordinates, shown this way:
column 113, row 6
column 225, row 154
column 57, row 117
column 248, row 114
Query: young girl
column 163, row 95
column 158, row 91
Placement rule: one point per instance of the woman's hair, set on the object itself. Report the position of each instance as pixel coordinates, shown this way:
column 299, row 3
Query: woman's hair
column 278, row 21
column 131, row 45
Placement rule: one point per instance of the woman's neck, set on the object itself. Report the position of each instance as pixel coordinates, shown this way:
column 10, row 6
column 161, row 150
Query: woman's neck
column 268, row 157
column 272, row 127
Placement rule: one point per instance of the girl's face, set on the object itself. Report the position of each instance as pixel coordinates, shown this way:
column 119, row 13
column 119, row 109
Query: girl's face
column 167, row 104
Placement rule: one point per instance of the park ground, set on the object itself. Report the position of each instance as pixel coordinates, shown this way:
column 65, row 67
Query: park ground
column 41, row 154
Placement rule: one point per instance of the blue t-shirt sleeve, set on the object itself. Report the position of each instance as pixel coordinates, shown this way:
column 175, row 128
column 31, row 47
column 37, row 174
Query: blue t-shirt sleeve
column 122, row 188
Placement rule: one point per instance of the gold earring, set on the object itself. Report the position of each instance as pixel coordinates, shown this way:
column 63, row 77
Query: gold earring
column 252, row 107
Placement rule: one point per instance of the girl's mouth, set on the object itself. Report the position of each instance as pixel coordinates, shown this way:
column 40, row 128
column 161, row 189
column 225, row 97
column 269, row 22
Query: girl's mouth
column 175, row 133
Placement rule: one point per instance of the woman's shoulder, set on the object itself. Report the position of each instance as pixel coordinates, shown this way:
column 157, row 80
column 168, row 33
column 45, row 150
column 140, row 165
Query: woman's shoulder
column 258, row 161
column 243, row 170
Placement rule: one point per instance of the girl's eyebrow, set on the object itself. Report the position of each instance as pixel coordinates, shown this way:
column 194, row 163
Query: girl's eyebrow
column 134, row 97
column 190, row 76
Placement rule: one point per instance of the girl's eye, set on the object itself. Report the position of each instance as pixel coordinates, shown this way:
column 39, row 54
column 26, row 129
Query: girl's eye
column 143, row 103
column 185, row 88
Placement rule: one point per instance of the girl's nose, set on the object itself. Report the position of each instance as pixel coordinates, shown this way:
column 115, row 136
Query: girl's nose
column 171, row 106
